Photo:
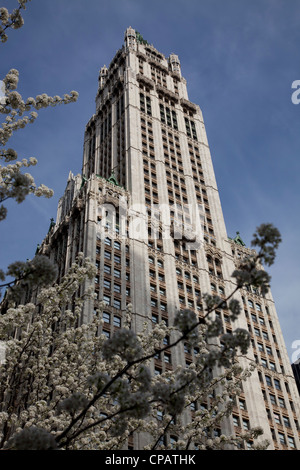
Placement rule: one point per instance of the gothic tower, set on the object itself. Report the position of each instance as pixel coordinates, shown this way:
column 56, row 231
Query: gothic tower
column 146, row 210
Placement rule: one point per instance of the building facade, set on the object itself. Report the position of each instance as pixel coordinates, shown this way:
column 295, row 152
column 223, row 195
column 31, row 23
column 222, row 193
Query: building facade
column 146, row 210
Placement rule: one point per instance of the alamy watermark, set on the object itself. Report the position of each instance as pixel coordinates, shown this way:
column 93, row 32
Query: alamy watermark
column 296, row 354
column 296, row 94
column 141, row 222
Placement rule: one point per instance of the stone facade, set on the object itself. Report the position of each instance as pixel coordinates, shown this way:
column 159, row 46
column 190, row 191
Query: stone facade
column 146, row 151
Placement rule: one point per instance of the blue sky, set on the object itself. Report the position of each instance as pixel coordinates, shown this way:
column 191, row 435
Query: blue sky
column 239, row 58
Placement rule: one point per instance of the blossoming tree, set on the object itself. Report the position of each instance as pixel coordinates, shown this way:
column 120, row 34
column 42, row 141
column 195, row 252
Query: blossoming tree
column 14, row 184
column 64, row 385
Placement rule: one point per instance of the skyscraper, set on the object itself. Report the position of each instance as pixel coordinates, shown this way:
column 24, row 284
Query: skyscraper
column 146, row 210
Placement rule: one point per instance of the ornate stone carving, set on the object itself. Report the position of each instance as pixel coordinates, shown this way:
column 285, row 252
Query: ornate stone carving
column 166, row 92
column 145, row 80
column 188, row 104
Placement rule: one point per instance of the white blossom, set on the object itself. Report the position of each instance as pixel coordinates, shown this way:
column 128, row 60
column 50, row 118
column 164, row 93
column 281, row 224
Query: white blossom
column 4, row 15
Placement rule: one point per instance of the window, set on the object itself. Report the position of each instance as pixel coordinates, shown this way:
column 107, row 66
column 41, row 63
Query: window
column 272, row 399
column 107, row 269
column 154, row 318
column 106, row 284
column 117, row 288
column 106, row 299
column 106, row 317
column 189, row 289
column 291, row 442
column 269, row 351
column 282, row 438
column 145, row 103
column 107, row 254
column 253, row 316
column 265, row 335
column 256, row 331
column 117, row 245
column 277, row 384
column 117, row 273
column 242, row 404
column 167, row 358
column 117, row 259
column 260, row 347
column 250, row 303
column 277, row 418
column 117, row 303
column 264, row 362
column 236, row 421
column 245, row 424
column 268, row 381
column 286, row 421
column 107, row 241
column 117, row 321
column 281, row 402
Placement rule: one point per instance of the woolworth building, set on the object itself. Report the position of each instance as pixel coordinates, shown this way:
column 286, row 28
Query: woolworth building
column 146, row 210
